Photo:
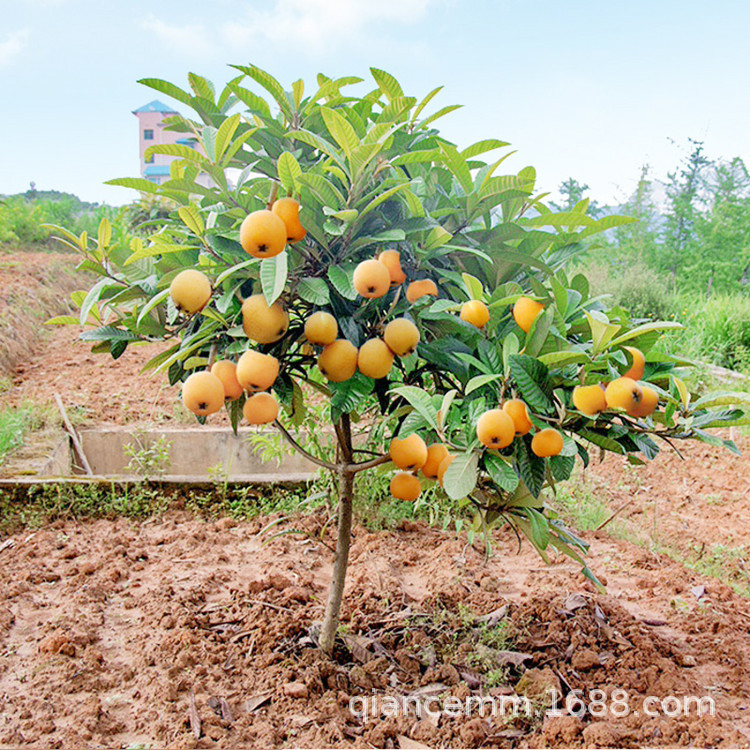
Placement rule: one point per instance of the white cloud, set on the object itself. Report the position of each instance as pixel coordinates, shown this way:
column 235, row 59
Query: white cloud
column 320, row 24
column 12, row 45
column 191, row 39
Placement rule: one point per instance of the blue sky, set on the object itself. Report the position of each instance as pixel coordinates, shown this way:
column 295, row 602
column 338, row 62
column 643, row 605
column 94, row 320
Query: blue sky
column 591, row 89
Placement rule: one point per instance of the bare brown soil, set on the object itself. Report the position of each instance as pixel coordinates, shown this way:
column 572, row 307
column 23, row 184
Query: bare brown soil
column 110, row 630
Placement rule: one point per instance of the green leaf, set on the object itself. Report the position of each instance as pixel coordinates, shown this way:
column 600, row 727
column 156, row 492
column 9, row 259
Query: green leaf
column 602, row 331
column 436, row 115
column 531, row 376
column 387, row 84
column 92, row 297
column 105, row 234
column 273, row 276
column 270, row 84
column 561, row 359
column 136, row 183
column 384, row 196
column 570, row 219
column 458, row 166
column 348, row 396
column 461, row 476
column 108, row 333
column 437, row 237
column 151, row 304
column 539, row 332
column 722, row 398
column 657, row 325
column 62, row 320
column 342, row 132
column 481, row 147
column 192, row 219
column 501, row 472
column 562, row 467
column 289, row 171
column 224, row 275
column 473, row 286
column 420, row 400
column 314, row 290
column 175, row 149
column 530, row 466
column 342, row 282
column 539, row 528
column 224, row 135
column 165, row 87
column 326, row 192
column 479, row 380
column 603, row 441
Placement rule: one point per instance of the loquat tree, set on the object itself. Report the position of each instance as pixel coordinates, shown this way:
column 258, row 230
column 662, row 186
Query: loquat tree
column 336, row 244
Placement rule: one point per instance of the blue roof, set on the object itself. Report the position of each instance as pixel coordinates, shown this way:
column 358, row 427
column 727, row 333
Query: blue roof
column 187, row 141
column 154, row 106
column 157, row 170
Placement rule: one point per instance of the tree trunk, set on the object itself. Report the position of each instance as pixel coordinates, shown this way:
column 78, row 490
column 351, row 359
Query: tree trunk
column 344, row 537
column 343, row 541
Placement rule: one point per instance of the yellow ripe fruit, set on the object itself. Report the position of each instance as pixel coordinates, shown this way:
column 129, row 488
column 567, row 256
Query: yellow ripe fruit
column 203, row 393
column 517, row 411
column 262, row 323
column 338, row 361
column 623, row 393
column 405, row 486
column 256, row 371
column 190, row 291
column 649, row 402
column 444, row 464
column 475, row 312
column 375, row 359
column 263, row 234
column 226, row 371
column 547, row 443
column 260, row 408
column 436, row 453
column 419, row 288
column 525, row 312
column 589, row 399
column 391, row 259
column 402, row 337
column 287, row 209
column 639, row 363
column 372, row 279
column 495, row 429
column 410, row 453
column 321, row 328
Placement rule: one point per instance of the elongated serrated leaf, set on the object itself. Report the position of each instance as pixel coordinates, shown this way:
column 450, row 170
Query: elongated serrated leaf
column 539, row 332
column 136, row 183
column 530, row 467
column 342, row 282
column 224, row 275
column 531, row 377
column 479, row 380
column 560, row 359
column 603, row 441
column 722, row 398
column 62, row 320
column 341, row 131
column 657, row 325
column 192, row 219
column 165, row 87
column 270, row 84
column 314, row 290
column 602, row 331
column 151, row 304
column 348, row 396
column 175, row 149
column 562, row 467
column 387, row 84
column 289, row 171
column 501, row 472
column 273, row 276
column 104, row 236
column 420, row 400
column 461, row 476
column 224, row 135
column 324, row 190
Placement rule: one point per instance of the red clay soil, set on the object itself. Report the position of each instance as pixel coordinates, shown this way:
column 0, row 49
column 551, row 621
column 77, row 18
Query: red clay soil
column 110, row 631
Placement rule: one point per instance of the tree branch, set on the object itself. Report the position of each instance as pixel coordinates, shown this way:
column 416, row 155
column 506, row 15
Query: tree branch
column 363, row 465
column 306, row 454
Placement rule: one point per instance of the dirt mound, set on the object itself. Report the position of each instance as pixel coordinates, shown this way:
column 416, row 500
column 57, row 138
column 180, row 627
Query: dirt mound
column 114, row 633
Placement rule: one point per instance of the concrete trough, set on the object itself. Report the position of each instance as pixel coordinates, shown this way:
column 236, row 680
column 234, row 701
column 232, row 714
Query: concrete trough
column 192, row 455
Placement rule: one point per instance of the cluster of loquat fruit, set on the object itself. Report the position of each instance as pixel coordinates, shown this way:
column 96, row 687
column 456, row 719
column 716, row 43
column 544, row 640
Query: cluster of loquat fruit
column 265, row 234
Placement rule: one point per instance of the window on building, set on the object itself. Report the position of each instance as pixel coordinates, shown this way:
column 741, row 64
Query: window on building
column 149, row 159
column 148, row 135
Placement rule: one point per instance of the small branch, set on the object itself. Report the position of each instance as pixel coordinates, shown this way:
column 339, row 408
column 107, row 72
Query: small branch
column 306, row 454
column 363, row 465
column 272, row 196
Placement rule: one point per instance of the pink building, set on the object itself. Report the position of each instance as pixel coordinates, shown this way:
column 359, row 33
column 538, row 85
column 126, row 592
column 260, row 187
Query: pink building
column 152, row 133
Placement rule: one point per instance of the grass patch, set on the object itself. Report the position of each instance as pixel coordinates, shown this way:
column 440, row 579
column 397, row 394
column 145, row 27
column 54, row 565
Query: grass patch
column 14, row 425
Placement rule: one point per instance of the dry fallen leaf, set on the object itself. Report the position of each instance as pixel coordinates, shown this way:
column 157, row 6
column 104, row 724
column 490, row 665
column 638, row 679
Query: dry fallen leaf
column 195, row 720
column 405, row 743
column 254, row 702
